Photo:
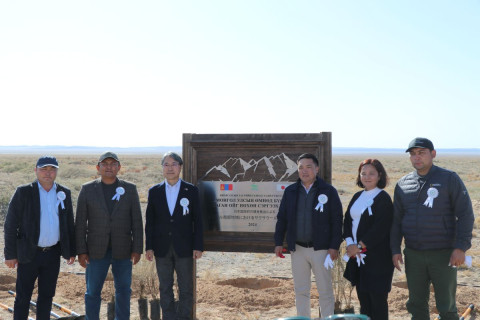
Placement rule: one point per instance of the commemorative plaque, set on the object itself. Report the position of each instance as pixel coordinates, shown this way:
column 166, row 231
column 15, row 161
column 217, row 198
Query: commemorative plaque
column 241, row 178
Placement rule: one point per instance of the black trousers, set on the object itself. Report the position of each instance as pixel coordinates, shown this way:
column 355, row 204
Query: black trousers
column 374, row 305
column 45, row 266
column 183, row 267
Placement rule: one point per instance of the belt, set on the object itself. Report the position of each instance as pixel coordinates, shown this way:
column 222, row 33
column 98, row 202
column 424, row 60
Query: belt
column 308, row 244
column 45, row 249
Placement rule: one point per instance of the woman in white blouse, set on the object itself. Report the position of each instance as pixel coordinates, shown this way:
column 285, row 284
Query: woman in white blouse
column 366, row 230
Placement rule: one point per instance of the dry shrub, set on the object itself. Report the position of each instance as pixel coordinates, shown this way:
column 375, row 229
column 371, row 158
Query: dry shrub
column 342, row 288
column 146, row 275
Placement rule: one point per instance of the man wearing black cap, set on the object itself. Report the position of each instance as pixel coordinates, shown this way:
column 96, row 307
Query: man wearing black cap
column 433, row 213
column 109, row 231
column 38, row 230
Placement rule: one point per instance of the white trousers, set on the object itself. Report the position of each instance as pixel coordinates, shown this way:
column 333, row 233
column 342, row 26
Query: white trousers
column 304, row 261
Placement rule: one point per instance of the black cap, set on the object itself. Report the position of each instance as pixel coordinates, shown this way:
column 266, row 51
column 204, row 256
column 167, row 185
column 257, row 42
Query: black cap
column 108, row 154
column 420, row 143
column 46, row 161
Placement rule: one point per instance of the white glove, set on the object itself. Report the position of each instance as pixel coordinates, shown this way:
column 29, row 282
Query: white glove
column 468, row 261
column 346, row 257
column 328, row 262
column 360, row 259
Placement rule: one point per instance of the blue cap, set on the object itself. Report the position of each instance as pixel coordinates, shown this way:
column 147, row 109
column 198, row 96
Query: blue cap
column 46, row 161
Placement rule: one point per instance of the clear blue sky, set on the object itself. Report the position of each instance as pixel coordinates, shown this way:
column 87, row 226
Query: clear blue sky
column 141, row 73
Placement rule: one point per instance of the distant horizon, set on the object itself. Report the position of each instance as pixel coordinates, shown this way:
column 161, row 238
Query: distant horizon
column 60, row 149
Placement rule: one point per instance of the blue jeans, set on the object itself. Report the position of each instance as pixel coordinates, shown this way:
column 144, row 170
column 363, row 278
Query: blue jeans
column 95, row 277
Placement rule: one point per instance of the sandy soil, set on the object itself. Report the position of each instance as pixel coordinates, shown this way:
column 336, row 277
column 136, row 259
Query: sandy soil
column 239, row 286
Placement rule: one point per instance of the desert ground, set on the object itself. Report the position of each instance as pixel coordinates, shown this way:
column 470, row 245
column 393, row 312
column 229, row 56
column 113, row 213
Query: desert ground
column 234, row 285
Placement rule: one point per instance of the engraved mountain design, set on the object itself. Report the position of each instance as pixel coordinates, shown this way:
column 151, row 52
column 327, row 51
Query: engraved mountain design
column 266, row 169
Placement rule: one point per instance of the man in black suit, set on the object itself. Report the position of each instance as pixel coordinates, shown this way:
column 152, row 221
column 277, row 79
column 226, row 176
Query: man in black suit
column 38, row 230
column 174, row 235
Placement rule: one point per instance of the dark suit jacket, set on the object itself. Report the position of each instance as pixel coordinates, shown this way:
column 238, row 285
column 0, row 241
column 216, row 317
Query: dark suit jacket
column 326, row 225
column 185, row 232
column 22, row 224
column 95, row 226
column 377, row 272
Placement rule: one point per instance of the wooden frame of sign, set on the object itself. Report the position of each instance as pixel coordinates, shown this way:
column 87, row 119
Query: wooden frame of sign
column 262, row 164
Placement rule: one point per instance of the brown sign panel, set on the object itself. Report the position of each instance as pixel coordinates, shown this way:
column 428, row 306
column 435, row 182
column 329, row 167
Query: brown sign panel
column 241, row 178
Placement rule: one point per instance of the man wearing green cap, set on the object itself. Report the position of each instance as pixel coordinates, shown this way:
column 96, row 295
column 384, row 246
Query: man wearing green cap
column 433, row 213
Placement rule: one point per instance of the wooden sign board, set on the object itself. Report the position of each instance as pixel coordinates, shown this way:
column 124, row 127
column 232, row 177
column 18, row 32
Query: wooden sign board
column 241, row 178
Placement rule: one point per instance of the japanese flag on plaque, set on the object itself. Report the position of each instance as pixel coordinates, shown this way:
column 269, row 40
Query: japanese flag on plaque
column 282, row 187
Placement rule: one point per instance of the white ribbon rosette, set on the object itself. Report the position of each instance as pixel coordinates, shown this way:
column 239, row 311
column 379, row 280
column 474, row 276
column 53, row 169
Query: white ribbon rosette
column 322, row 199
column 369, row 206
column 184, row 203
column 60, row 197
column 120, row 192
column 432, row 193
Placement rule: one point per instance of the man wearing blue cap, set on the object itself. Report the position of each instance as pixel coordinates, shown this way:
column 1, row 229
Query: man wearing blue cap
column 433, row 213
column 39, row 229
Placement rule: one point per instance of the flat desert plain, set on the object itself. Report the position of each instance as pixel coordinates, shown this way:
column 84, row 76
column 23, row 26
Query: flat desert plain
column 234, row 285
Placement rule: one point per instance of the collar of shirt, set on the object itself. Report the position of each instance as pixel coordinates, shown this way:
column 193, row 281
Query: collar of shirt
column 172, row 194
column 309, row 188
column 54, row 188
column 176, row 186
column 371, row 193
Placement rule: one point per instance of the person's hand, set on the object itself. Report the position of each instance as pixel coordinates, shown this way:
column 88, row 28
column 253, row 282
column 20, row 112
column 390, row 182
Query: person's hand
column 197, row 254
column 397, row 260
column 83, row 259
column 352, row 250
column 278, row 251
column 149, row 255
column 71, row 261
column 362, row 244
column 457, row 258
column 135, row 257
column 11, row 263
column 333, row 254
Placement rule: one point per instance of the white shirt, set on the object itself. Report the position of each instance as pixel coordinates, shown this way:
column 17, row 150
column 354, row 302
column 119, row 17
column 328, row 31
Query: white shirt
column 307, row 189
column 49, row 223
column 357, row 210
column 172, row 194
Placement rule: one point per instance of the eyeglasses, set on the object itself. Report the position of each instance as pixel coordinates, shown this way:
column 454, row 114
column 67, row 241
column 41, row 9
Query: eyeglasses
column 171, row 165
column 111, row 165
